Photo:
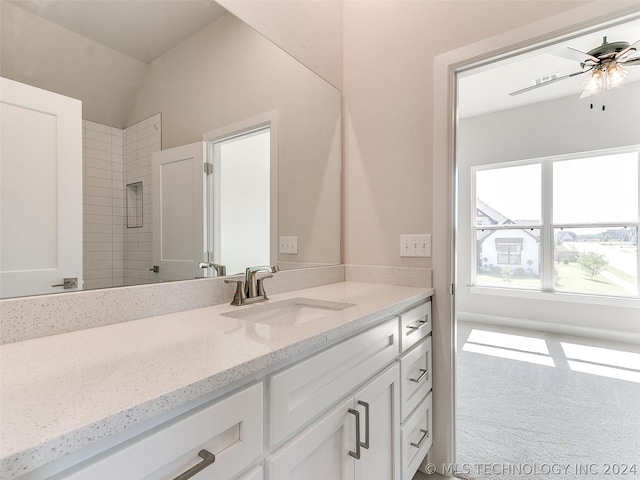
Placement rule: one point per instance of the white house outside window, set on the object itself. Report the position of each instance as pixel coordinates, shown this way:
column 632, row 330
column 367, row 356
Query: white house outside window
column 564, row 224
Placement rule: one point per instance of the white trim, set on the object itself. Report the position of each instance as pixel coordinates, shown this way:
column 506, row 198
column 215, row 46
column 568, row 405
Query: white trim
column 570, row 24
column 627, row 302
column 562, row 328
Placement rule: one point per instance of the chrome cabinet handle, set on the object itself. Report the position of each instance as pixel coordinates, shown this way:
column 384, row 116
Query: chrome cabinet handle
column 425, row 434
column 365, row 444
column 422, row 375
column 208, row 459
column 356, row 454
column 421, row 323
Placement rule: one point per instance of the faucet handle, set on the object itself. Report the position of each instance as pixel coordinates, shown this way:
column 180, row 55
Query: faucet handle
column 239, row 296
column 261, row 291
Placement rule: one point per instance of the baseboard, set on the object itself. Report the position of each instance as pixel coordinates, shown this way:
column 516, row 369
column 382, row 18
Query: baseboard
column 589, row 332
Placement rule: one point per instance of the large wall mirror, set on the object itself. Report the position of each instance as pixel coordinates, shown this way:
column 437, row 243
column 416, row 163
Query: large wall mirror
column 152, row 78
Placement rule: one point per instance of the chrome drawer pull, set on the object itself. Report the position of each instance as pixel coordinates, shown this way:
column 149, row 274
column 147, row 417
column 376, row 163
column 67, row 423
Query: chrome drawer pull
column 422, row 375
column 208, row 459
column 425, row 434
column 421, row 323
column 365, row 444
column 356, row 454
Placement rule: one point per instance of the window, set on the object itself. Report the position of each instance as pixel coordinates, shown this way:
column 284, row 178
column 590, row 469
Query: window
column 559, row 224
column 509, row 250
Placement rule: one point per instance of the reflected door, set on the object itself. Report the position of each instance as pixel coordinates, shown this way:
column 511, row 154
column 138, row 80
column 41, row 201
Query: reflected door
column 179, row 243
column 41, row 190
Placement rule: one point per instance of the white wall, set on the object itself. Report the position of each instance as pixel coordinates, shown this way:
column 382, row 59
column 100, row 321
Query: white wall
column 311, row 31
column 563, row 126
column 389, row 51
column 40, row 53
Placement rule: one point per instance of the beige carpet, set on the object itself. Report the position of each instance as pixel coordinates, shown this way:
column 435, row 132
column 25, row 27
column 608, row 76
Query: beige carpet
column 559, row 407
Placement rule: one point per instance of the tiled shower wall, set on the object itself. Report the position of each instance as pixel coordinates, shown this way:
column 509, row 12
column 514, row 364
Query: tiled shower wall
column 141, row 140
column 103, row 226
column 113, row 254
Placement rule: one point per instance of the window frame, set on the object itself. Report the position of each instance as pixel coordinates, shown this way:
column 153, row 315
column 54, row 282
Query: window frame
column 547, row 226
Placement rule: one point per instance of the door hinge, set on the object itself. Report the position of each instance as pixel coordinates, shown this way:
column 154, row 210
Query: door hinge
column 452, row 289
column 208, row 168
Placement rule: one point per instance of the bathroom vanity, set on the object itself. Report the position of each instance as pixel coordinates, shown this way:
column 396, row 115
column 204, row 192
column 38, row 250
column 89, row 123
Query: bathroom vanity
column 327, row 382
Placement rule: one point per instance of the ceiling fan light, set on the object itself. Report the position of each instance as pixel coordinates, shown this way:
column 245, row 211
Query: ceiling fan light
column 593, row 84
column 616, row 75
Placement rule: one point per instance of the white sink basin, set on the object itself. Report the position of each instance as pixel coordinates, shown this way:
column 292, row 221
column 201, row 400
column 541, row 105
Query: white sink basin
column 293, row 311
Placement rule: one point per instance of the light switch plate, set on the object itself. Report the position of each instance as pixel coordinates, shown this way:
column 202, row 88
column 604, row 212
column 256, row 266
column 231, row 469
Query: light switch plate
column 415, row 245
column 289, row 245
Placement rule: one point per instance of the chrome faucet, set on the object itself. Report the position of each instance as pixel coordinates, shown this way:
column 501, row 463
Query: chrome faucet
column 221, row 270
column 251, row 289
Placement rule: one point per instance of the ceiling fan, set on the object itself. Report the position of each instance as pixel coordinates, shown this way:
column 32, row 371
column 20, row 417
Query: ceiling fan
column 606, row 65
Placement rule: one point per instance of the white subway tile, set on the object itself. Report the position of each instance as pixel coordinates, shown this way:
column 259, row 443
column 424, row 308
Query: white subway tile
column 96, row 163
column 99, row 136
column 117, row 132
column 99, row 264
column 98, row 145
column 97, row 256
column 97, row 210
column 99, row 228
column 90, row 190
column 97, row 199
column 100, row 238
column 104, row 219
column 98, row 247
column 97, row 173
column 105, row 183
column 93, row 284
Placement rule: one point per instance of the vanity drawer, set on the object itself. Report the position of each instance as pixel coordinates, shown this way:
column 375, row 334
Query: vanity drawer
column 230, row 428
column 303, row 391
column 415, row 324
column 416, row 438
column 415, row 372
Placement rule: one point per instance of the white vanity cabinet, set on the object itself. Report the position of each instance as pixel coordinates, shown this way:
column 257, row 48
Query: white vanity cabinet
column 416, row 384
column 356, row 440
column 360, row 409
column 230, row 428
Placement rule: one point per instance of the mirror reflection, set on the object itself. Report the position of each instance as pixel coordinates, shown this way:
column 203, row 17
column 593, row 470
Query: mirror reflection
column 163, row 135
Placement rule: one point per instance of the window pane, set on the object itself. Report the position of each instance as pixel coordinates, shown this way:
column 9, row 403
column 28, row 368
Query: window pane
column 596, row 190
column 509, row 195
column 597, row 260
column 508, row 258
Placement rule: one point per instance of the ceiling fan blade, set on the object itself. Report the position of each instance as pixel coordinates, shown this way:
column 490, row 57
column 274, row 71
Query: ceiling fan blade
column 631, row 61
column 533, row 87
column 588, row 57
column 622, row 53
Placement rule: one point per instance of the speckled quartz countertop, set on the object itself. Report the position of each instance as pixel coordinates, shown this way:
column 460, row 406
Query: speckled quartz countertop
column 63, row 392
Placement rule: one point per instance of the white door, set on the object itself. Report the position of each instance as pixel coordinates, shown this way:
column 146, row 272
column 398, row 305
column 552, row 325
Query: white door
column 379, row 406
column 321, row 452
column 40, row 190
column 179, row 242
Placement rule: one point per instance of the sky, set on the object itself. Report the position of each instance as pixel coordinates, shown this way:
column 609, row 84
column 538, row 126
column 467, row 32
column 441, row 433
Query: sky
column 595, row 189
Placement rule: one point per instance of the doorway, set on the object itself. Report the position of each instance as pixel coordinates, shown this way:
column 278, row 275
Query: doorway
column 525, row 304
column 240, row 199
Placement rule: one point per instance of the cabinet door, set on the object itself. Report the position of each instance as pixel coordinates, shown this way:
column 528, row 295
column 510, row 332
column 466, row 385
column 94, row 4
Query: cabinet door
column 379, row 406
column 321, row 452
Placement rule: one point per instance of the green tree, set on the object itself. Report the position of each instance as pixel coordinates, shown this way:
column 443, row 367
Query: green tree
column 593, row 263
